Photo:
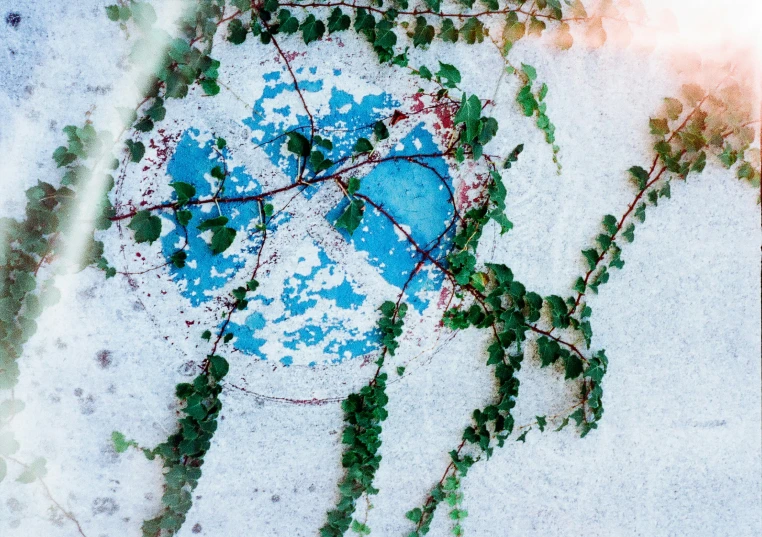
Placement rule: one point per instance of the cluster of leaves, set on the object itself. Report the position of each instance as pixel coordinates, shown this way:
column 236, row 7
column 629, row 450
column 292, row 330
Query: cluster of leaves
column 551, row 352
column 504, row 306
column 718, row 125
column 382, row 26
column 183, row 452
column 704, row 122
column 476, row 130
column 699, row 123
column 147, row 226
column 533, row 103
column 26, row 244
column 363, row 414
column 462, row 259
column 545, row 12
column 449, row 491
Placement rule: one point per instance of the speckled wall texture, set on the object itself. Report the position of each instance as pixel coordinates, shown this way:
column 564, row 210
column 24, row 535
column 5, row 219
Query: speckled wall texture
column 679, row 451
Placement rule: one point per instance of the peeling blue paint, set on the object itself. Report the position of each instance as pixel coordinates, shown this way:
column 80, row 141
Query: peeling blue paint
column 204, row 273
column 418, row 197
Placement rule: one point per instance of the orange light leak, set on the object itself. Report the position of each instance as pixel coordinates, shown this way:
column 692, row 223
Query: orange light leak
column 710, row 24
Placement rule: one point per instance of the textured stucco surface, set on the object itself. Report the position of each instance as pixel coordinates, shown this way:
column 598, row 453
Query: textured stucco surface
column 678, row 453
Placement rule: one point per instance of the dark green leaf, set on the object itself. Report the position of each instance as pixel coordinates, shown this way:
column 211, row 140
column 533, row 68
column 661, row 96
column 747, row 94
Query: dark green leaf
column 298, row 144
column 312, row 29
column 218, row 367
column 640, row 176
column 222, row 238
column 237, row 32
column 363, row 145
column 184, row 191
column 147, row 227
column 136, row 149
column 352, row 216
column 338, row 21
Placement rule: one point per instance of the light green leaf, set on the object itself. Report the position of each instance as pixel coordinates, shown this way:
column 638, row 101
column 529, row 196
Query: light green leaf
column 33, row 472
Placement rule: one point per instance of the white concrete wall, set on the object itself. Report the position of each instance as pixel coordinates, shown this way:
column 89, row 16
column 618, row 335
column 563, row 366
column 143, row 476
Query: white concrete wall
column 678, row 452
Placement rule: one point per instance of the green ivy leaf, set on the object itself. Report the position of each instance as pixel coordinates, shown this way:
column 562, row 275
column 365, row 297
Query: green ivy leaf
column 183, row 217
column 629, row 233
column 527, row 100
column 147, row 227
column 385, row 36
column 338, row 21
column 423, row 33
column 574, row 367
column 218, row 367
column 449, row 74
column 530, row 71
column 353, row 185
column 469, row 112
column 541, row 422
column 352, row 216
column 448, row 32
column 579, row 285
column 473, row 31
column 288, row 24
column 298, row 144
column 312, row 29
column 237, row 32
column 210, row 86
column 222, row 238
column 610, row 224
column 363, row 145
column 178, row 258
column 136, row 149
column 121, row 444
column 318, row 161
column 414, row 515
column 640, row 176
column 700, row 163
column 184, row 191
column 591, row 256
column 692, row 141
column 112, row 12
column 212, row 223
column 640, row 212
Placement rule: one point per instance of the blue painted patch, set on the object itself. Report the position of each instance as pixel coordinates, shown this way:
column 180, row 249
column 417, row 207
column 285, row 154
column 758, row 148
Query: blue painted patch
column 302, row 295
column 204, row 272
column 345, row 121
column 417, row 197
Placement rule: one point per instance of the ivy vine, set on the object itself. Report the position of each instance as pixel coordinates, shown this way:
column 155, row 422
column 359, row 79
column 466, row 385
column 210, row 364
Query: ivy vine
column 699, row 125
